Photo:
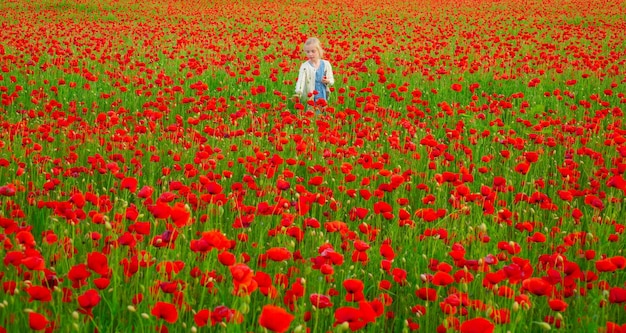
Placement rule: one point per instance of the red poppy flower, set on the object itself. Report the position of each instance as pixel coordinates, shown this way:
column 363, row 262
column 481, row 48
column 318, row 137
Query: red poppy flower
column 612, row 327
column 37, row 321
column 278, row 254
column 243, row 279
column 619, row 261
column 442, row 279
column 350, row 315
column 320, row 301
column 537, row 237
column 165, row 311
column 501, row 316
column 522, row 168
column 353, row 285
column 427, row 294
column 617, row 295
column 557, row 305
column 8, row 190
column 145, row 192
column 537, row 286
column 282, row 185
column 222, row 313
column 354, row 290
column 130, row 184
column 160, row 210
column 594, row 202
column 39, row 293
column 226, row 258
column 101, row 283
column 88, row 300
column 98, row 262
column 477, row 325
column 180, row 215
column 399, row 275
column 565, row 195
column 316, row 180
column 9, row 287
column 275, row 319
column 202, row 317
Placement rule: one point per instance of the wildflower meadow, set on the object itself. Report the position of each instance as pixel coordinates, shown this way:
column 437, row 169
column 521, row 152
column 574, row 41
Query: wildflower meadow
column 466, row 174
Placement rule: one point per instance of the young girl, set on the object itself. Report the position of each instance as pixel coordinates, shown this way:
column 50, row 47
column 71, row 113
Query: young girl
column 315, row 76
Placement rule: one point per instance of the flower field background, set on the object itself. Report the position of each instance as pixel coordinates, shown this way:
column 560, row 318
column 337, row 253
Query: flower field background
column 467, row 175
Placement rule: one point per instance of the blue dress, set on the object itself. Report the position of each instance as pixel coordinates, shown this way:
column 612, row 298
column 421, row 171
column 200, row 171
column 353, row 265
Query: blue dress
column 319, row 86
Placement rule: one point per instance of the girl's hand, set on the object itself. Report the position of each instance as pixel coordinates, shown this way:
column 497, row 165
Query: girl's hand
column 325, row 80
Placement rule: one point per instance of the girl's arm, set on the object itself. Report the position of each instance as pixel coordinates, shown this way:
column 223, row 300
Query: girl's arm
column 329, row 74
column 301, row 80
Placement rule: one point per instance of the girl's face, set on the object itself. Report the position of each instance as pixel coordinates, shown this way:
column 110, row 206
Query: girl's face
column 312, row 52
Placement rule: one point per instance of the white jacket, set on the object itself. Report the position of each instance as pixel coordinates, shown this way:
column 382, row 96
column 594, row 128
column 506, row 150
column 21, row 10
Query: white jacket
column 306, row 79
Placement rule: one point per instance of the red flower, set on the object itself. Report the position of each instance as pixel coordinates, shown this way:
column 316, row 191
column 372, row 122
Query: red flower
column 9, row 287
column 427, row 294
column 222, row 313
column 101, row 283
column 605, row 265
column 477, row 325
column 165, row 311
column 180, row 215
column 565, row 195
column 617, row 295
column 350, row 315
column 316, row 180
column 88, row 301
column 531, row 156
column 202, row 317
column 39, row 293
column 537, row 237
column 36, row 321
column 145, row 192
column 282, row 184
column 594, row 202
column 243, row 279
column 7, row 190
column 612, row 327
column 537, row 286
column 619, row 261
column 442, row 279
column 501, row 316
column 98, row 262
column 226, row 258
column 522, row 168
column 275, row 319
column 399, row 275
column 210, row 240
column 320, row 301
column 557, row 305
column 129, row 184
column 278, row 254
column 354, row 288
column 353, row 285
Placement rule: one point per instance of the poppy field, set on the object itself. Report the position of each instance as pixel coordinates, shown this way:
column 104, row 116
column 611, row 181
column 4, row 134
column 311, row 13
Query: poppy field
column 467, row 174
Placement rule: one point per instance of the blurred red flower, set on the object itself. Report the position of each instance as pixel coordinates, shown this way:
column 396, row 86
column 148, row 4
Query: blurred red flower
column 275, row 319
column 557, row 305
column 477, row 325
column 37, row 321
column 537, row 286
column 165, row 311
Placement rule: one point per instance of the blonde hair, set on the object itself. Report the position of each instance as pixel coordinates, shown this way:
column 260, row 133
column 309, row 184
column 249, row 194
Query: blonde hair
column 313, row 41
